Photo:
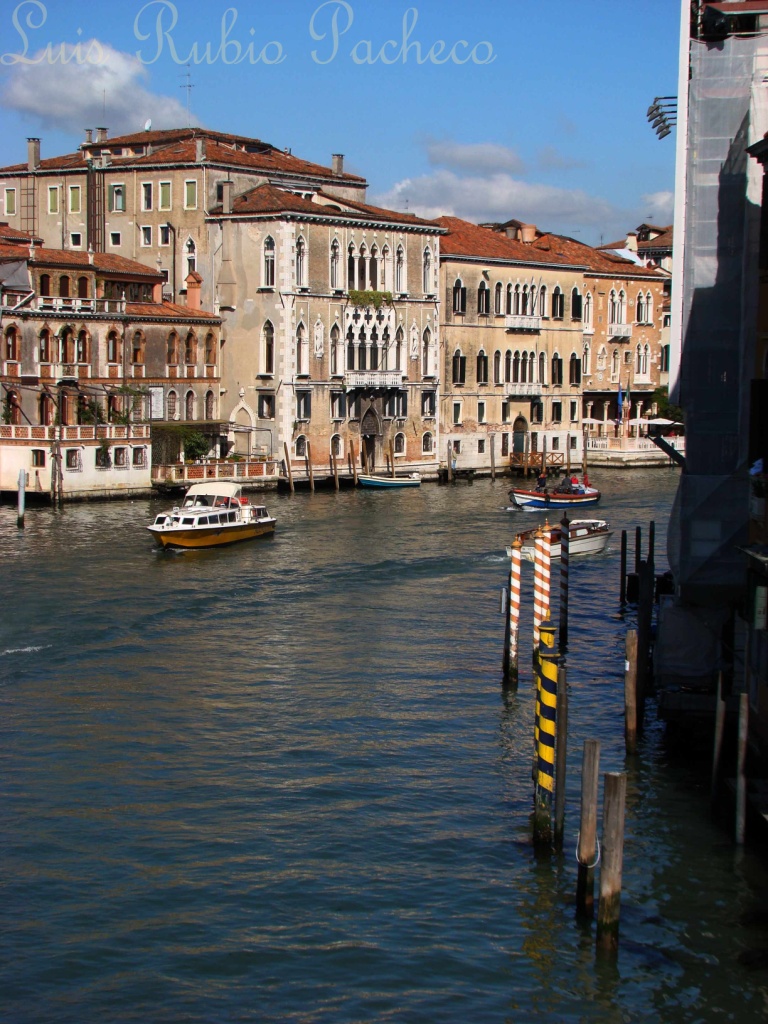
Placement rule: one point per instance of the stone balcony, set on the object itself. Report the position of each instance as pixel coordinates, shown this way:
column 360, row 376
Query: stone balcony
column 517, row 322
column 619, row 330
column 517, row 389
column 76, row 305
column 373, row 378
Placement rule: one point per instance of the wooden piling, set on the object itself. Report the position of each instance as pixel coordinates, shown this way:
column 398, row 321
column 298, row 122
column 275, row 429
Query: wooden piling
column 568, row 454
column 21, row 498
column 335, row 470
column 310, row 471
column 561, row 748
column 565, row 549
column 586, row 850
column 512, row 625
column 718, row 742
column 288, row 469
column 623, row 569
column 544, row 456
column 353, row 465
column 741, row 779
column 651, row 542
column 392, row 455
column 638, row 547
column 585, row 434
column 492, row 438
column 527, row 455
column 450, row 463
column 609, row 907
column 630, row 692
column 644, row 637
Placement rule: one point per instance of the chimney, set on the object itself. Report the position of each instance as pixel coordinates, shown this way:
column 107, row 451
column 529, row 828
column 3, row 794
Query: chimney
column 90, row 255
column 632, row 241
column 226, row 195
column 88, row 136
column 193, row 282
column 511, row 231
column 101, row 134
column 527, row 233
column 337, row 163
column 33, row 154
column 199, row 149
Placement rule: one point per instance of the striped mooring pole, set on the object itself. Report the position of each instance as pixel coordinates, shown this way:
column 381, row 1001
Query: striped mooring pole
column 511, row 636
column 565, row 550
column 548, row 663
column 542, row 564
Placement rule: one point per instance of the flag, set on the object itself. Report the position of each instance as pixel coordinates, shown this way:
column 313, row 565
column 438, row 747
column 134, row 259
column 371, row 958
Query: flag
column 620, row 403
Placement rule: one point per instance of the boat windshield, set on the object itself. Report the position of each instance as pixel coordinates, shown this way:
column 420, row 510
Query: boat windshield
column 210, row 501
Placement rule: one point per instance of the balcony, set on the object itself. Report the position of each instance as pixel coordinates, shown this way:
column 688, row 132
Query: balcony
column 517, row 322
column 75, row 305
column 619, row 330
column 373, row 378
column 529, row 389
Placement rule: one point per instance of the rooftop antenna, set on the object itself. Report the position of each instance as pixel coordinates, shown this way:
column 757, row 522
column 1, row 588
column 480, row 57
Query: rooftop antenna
column 189, row 87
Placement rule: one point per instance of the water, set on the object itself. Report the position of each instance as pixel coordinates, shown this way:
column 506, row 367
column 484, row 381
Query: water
column 282, row 782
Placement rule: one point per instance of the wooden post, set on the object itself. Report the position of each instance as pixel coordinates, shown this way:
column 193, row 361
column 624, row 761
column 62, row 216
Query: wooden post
column 544, row 456
column 719, row 729
column 623, row 569
column 335, row 469
column 492, row 438
column 561, row 748
column 630, row 692
column 644, row 625
column 568, row 454
column 450, row 463
column 512, row 626
column 741, row 780
column 586, row 853
column 527, row 455
column 309, row 468
column 609, row 907
column 584, row 455
column 565, row 549
column 288, row 467
column 353, row 454
column 651, row 541
column 21, row 498
column 392, row 455
column 638, row 547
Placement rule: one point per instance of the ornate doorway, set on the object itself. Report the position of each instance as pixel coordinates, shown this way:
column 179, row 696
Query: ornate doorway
column 370, row 432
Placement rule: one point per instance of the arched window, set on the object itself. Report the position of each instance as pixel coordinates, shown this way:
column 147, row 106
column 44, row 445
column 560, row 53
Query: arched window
column 586, row 359
column 336, row 445
column 574, row 369
column 301, row 262
column 45, row 284
column 210, row 349
column 558, row 305
column 425, row 352
column 646, row 357
column 82, row 287
column 13, row 406
column 399, row 340
column 648, row 308
column 171, row 405
column 508, row 367
column 46, row 410
column 362, row 350
column 516, row 307
column 66, row 345
column 427, row 443
column 400, row 283
column 173, row 349
column 588, row 309
column 483, row 300
column 361, row 266
column 615, row 364
column 576, row 304
column 301, row 369
column 351, row 262
column 269, row 262
column 524, row 307
column 543, row 300
column 524, row 368
column 137, row 348
column 350, row 349
column 622, row 308
column 374, row 363
column 640, row 308
column 613, row 307
column 209, row 406
column 602, row 358
column 12, row 350
column 534, row 299
column 190, row 349
column 191, row 249
column 189, row 406
column 386, row 268
column 385, row 343
column 557, row 370
column 427, row 283
column 301, row 447
column 399, row 444
column 334, row 277
column 497, row 367
column 335, row 350
column 82, row 347
column 542, row 368
column 459, row 367
column 268, row 341
column 64, row 287
column 498, row 298
column 459, row 297
column 115, row 348
column 45, row 349
column 482, row 367
column 516, row 368
column 509, row 307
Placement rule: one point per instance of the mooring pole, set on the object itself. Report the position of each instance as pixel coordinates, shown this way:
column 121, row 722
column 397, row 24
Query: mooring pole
column 623, row 569
column 545, row 745
column 644, row 629
column 288, row 469
column 512, row 625
column 568, row 454
column 392, row 455
column 638, row 547
column 609, row 907
column 542, row 565
column 21, row 498
column 586, row 852
column 630, row 692
column 450, row 463
column 561, row 749
column 335, row 470
column 565, row 548
column 493, row 456
column 309, row 468
column 651, row 542
column 353, row 453
column 527, row 456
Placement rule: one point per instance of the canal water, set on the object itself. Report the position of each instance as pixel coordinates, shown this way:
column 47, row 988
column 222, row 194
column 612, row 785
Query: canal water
column 283, row 783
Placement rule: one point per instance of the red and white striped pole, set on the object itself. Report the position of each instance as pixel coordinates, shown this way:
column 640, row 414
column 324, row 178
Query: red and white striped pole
column 542, row 555
column 565, row 548
column 513, row 611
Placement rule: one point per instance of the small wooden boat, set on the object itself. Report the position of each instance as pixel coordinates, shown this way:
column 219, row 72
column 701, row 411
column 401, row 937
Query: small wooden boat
column 212, row 514
column 586, row 537
column 370, row 480
column 538, row 501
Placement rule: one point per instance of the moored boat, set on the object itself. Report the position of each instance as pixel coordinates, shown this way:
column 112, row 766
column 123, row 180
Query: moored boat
column 537, row 501
column 211, row 515
column 586, row 537
column 370, row 480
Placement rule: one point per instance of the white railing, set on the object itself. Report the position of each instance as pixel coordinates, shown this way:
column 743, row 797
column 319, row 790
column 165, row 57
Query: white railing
column 373, row 378
column 227, row 469
column 522, row 389
column 516, row 322
column 619, row 330
column 633, row 444
column 76, row 305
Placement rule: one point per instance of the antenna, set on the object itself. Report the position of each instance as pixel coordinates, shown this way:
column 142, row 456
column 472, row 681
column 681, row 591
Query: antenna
column 189, row 87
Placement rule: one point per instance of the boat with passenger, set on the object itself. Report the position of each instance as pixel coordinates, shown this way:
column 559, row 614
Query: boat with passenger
column 212, row 514
column 585, row 537
column 569, row 493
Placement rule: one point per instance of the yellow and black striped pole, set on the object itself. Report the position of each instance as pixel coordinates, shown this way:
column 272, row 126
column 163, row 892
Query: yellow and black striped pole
column 544, row 733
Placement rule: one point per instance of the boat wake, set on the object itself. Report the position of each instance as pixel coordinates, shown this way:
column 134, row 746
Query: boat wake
column 24, row 650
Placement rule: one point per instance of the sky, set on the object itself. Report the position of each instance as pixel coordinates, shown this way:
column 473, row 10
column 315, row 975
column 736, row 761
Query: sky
column 532, row 109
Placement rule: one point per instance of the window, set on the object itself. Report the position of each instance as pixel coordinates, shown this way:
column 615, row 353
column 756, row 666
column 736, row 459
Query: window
column 303, row 405
column 586, row 358
column 505, row 412
column 482, row 367
column 210, row 405
column 74, row 199
column 38, row 457
column 351, row 264
column 137, row 348
column 44, row 346
column 139, row 457
column 336, row 448
column 456, row 413
column 146, row 235
column 459, row 297
column 53, row 199
column 401, row 404
column 459, row 367
column 574, row 369
column 190, row 195
column 190, row 349
column 266, row 408
column 338, row 405
column 268, row 278
column 399, row 444
column 664, row 359
column 426, row 353
column 373, row 269
column 557, row 412
column 171, row 405
column 73, row 460
column 121, row 458
column 427, row 283
column 640, row 308
column 189, row 405
column 497, row 299
column 481, row 446
column 481, row 412
column 64, row 287
column 588, row 309
column 400, row 283
column 557, row 370
column 505, row 444
column 10, row 202
column 497, row 367
column 116, row 199
column 602, row 358
column 113, row 348
column 427, row 444
column 555, row 444
column 302, row 370
column 210, row 349
column 334, row 276
column 574, row 411
column 648, row 308
column 114, row 238
column 558, row 304
column 483, row 300
column 164, row 199
column 146, row 195
column 301, row 263
column 75, row 240
column 165, row 234
column 428, row 403
column 301, row 447
column 81, row 351
column 543, row 301
column 12, row 344
column 576, row 304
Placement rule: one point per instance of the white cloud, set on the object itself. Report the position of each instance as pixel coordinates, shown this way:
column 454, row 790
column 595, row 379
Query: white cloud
column 478, row 157
column 72, row 96
column 659, row 207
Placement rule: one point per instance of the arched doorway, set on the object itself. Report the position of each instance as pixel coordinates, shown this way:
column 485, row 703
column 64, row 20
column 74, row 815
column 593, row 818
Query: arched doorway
column 370, row 433
column 519, row 433
column 242, row 432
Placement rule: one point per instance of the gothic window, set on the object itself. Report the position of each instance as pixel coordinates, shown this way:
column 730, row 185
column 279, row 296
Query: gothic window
column 209, row 407
column 12, row 344
column 190, row 349
column 459, row 367
column 640, row 308
column 517, row 302
column 268, row 335
column 45, row 348
column 497, row 299
column 585, row 359
column 497, row 367
column 361, row 265
column 543, row 300
column 210, row 349
column 516, row 368
column 172, row 357
column 335, row 283
column 335, row 350
column 301, row 368
column 373, row 269
column 301, row 263
column 425, row 352
column 374, row 349
column 400, row 283
column 399, row 337
column 557, row 369
column 426, row 443
column 350, row 350
column 542, row 368
column 588, row 309
column 351, row 262
column 82, row 347
column 558, row 304
column 613, row 307
column 170, row 405
column 459, row 297
column 269, row 262
column 576, row 304
column 482, row 367
column 483, row 300
column 508, row 367
column 137, row 348
column 427, row 283
column 574, row 369
column 189, row 406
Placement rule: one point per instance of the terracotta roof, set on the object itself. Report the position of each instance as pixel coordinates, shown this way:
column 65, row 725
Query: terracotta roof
column 103, row 263
column 9, row 234
column 596, row 260
column 271, row 199
column 55, row 163
column 142, row 310
column 467, row 239
column 662, row 241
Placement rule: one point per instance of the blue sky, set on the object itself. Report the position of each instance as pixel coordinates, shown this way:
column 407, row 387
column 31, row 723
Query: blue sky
column 539, row 114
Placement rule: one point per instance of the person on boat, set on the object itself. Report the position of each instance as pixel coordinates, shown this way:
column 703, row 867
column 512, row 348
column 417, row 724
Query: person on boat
column 541, row 482
column 565, row 486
